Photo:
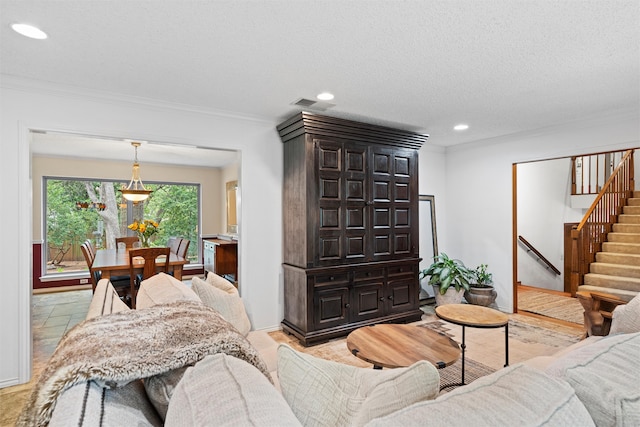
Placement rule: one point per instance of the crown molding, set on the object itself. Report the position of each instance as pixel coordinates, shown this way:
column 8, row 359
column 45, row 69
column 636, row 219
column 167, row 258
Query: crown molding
column 49, row 88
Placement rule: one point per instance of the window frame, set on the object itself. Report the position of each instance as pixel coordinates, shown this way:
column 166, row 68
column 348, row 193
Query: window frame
column 48, row 276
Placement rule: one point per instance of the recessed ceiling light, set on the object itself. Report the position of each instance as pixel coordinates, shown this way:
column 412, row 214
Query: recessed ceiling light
column 29, row 31
column 461, row 126
column 325, row 96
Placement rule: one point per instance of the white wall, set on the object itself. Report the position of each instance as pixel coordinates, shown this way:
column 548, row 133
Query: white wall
column 478, row 194
column 25, row 105
column 544, row 206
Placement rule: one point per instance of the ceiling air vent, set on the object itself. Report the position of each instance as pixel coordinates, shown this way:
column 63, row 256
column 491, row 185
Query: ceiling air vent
column 314, row 105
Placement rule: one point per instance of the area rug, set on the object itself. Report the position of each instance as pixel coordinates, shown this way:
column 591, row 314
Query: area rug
column 550, row 305
column 518, row 330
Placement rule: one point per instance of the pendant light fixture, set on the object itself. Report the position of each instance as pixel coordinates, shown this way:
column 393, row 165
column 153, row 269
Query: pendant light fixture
column 135, row 191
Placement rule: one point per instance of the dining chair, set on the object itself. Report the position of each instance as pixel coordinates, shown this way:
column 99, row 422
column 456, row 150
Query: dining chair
column 151, row 267
column 184, row 247
column 174, row 244
column 128, row 241
column 120, row 283
column 88, row 257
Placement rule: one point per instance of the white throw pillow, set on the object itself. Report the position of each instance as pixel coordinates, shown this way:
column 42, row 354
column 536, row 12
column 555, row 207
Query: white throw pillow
column 605, row 377
column 514, row 396
column 325, row 393
column 223, row 297
column 221, row 390
column 626, row 318
column 163, row 288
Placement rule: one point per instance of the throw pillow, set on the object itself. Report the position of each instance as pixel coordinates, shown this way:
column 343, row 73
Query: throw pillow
column 160, row 388
column 626, row 318
column 223, row 297
column 326, row 393
column 222, row 390
column 514, row 396
column 163, row 288
column 605, row 378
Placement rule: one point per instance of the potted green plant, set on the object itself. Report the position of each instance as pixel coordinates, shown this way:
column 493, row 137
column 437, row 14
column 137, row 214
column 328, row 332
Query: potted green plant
column 449, row 277
column 481, row 291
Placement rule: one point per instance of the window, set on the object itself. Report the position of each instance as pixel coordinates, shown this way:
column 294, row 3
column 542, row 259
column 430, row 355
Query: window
column 76, row 210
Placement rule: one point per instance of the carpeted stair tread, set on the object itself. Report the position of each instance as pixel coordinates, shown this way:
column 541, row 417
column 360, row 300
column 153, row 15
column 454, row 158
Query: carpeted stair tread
column 618, row 258
column 623, row 294
column 631, row 210
column 615, row 269
column 633, row 201
column 623, row 237
column 621, row 247
column 629, row 219
column 612, row 282
column 627, row 228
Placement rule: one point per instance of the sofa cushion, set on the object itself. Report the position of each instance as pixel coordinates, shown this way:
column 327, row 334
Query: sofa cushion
column 160, row 388
column 223, row 297
column 326, row 393
column 626, row 318
column 514, row 396
column 605, row 377
column 163, row 288
column 225, row 391
column 105, row 300
column 88, row 404
column 267, row 347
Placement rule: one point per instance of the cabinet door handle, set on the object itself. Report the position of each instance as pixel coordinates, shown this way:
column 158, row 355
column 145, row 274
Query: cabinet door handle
column 390, row 297
column 347, row 305
column 368, row 203
column 381, row 298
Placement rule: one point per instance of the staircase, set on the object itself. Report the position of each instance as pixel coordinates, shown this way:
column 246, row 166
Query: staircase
column 617, row 268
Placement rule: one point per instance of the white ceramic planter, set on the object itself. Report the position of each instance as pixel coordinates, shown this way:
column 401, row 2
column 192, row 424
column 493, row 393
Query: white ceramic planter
column 450, row 297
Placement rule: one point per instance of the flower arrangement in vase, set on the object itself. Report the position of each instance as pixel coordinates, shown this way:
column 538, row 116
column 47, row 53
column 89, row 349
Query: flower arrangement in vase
column 144, row 229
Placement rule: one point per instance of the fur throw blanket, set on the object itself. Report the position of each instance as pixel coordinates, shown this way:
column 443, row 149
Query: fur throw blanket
column 118, row 348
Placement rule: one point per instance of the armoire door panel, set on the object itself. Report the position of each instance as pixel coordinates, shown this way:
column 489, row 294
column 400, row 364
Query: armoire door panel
column 368, row 301
column 329, row 248
column 401, row 295
column 381, row 245
column 329, row 218
column 401, row 217
column 381, row 218
column 401, row 193
column 356, row 247
column 401, row 243
column 381, row 191
column 355, row 159
column 329, row 157
column 402, row 165
column 355, row 190
column 382, row 163
column 332, row 307
column 329, row 188
column 356, row 219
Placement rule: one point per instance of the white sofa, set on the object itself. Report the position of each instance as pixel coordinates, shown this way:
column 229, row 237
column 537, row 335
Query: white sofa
column 594, row 382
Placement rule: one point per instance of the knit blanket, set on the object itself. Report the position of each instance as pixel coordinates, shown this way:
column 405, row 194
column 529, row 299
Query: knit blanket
column 118, row 348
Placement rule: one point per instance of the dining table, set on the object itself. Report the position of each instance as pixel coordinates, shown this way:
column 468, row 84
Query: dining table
column 115, row 262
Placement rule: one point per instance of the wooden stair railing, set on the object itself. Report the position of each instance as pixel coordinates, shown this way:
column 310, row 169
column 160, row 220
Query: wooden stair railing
column 541, row 257
column 588, row 235
column 589, row 172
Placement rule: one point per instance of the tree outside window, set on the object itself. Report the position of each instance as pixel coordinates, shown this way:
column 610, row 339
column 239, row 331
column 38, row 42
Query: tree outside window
column 77, row 210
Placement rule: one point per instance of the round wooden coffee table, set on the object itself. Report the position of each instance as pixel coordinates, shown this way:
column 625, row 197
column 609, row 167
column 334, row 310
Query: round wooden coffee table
column 396, row 346
column 475, row 316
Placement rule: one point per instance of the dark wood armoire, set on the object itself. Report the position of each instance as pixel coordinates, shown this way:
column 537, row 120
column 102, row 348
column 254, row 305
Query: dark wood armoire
column 350, row 226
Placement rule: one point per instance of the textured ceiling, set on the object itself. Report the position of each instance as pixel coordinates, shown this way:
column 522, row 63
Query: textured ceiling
column 502, row 66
